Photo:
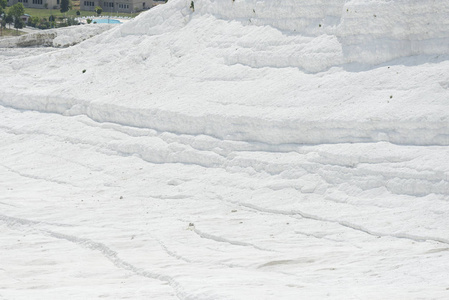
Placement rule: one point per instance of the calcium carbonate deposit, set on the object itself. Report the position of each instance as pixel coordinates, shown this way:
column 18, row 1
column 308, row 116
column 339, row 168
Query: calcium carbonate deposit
column 247, row 149
column 61, row 37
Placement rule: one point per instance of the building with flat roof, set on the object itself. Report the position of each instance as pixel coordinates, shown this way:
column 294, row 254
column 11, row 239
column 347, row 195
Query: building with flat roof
column 118, row 6
column 50, row 4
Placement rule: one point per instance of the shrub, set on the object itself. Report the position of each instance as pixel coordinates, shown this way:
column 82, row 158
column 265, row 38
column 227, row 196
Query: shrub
column 72, row 21
column 18, row 23
column 43, row 25
column 98, row 10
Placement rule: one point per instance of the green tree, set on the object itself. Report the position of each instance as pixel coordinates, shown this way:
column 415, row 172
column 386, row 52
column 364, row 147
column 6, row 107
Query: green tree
column 18, row 24
column 33, row 21
column 64, row 6
column 17, row 10
column 98, row 10
column 2, row 14
column 2, row 25
column 14, row 14
column 9, row 19
column 2, row 7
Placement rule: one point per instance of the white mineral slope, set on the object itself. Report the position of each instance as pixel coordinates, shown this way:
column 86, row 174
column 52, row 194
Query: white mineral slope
column 60, row 37
column 246, row 150
column 230, row 79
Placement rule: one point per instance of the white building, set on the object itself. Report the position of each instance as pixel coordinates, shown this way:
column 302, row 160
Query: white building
column 50, row 4
column 124, row 6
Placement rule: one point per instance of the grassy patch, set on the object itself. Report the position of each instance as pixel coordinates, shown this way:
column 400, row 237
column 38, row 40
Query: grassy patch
column 11, row 32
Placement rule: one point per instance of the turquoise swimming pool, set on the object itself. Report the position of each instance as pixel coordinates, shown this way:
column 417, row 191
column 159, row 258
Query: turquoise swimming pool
column 107, row 21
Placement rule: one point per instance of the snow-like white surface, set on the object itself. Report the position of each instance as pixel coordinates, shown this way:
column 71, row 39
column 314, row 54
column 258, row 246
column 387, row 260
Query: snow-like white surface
column 247, row 150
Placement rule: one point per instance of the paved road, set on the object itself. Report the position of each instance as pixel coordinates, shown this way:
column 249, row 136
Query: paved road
column 29, row 29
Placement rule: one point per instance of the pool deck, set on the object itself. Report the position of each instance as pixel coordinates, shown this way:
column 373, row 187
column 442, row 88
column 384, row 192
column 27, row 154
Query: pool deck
column 83, row 20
